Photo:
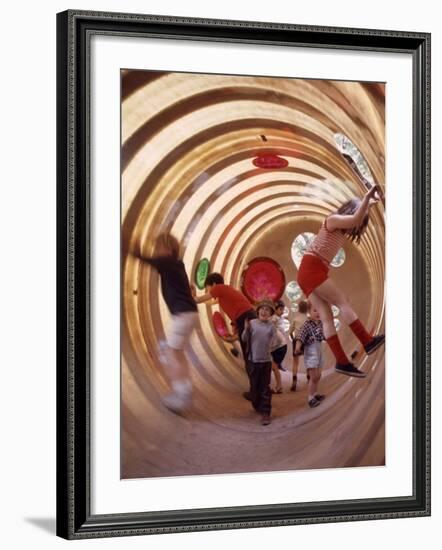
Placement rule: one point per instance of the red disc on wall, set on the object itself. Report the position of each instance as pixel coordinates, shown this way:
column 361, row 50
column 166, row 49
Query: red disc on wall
column 270, row 161
column 263, row 278
column 220, row 324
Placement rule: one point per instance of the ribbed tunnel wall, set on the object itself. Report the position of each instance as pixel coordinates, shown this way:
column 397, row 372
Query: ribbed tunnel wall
column 188, row 142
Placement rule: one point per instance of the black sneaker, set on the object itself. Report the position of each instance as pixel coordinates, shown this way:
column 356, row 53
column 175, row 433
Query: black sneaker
column 374, row 344
column 266, row 420
column 320, row 396
column 280, row 367
column 350, row 370
column 247, row 395
column 314, row 402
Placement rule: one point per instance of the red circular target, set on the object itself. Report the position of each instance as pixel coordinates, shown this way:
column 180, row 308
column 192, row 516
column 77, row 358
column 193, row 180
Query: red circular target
column 220, row 324
column 270, row 161
column 263, row 278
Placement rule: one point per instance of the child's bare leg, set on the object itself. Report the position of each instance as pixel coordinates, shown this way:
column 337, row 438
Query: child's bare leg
column 329, row 292
column 177, row 367
column 314, row 398
column 331, row 337
column 313, row 383
column 295, row 368
column 343, row 364
column 325, row 313
column 277, row 376
column 178, row 373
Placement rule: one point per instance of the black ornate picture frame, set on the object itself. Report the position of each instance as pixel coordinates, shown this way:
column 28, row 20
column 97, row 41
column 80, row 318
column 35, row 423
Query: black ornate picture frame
column 74, row 32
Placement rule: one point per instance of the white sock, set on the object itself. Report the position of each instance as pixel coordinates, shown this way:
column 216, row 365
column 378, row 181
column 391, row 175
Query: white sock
column 182, row 387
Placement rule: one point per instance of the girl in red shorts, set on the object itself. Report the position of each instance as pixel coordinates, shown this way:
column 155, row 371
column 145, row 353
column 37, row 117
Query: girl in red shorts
column 349, row 221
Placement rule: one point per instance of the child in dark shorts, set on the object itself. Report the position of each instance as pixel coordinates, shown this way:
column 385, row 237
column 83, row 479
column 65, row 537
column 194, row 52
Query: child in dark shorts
column 177, row 294
column 279, row 346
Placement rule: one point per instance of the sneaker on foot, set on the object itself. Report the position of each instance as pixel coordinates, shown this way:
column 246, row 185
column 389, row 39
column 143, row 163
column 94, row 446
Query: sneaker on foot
column 277, row 390
column 280, row 367
column 314, row 402
column 350, row 370
column 374, row 344
column 293, row 387
column 266, row 420
column 234, row 352
column 247, row 395
column 320, row 396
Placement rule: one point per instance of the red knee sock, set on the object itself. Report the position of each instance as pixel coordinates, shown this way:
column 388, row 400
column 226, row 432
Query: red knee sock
column 359, row 331
column 338, row 352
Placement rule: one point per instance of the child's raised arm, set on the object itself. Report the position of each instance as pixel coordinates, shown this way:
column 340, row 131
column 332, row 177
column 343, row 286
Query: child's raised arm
column 341, row 221
column 139, row 255
column 298, row 346
column 203, row 298
column 155, row 261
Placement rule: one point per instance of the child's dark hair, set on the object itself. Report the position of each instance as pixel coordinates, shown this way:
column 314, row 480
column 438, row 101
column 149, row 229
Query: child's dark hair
column 347, row 209
column 214, row 279
column 168, row 241
column 303, row 306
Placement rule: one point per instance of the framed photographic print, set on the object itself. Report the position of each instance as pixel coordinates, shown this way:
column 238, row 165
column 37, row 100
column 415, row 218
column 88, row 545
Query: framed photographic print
column 243, row 274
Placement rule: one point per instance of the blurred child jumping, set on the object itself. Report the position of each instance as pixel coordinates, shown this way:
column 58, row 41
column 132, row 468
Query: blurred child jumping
column 309, row 341
column 348, row 222
column 177, row 294
column 258, row 334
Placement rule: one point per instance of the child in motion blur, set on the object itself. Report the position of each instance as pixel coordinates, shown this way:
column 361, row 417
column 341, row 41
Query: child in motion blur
column 258, row 335
column 309, row 340
column 279, row 345
column 299, row 320
column 177, row 294
column 348, row 222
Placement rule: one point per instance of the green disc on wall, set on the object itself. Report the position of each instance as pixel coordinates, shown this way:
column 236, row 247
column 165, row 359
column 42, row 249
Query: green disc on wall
column 201, row 272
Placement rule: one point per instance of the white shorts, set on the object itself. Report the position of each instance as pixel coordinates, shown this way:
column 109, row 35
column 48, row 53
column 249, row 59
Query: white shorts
column 180, row 329
column 313, row 356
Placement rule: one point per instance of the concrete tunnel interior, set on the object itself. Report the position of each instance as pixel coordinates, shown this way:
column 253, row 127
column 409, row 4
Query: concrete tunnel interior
column 188, row 144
